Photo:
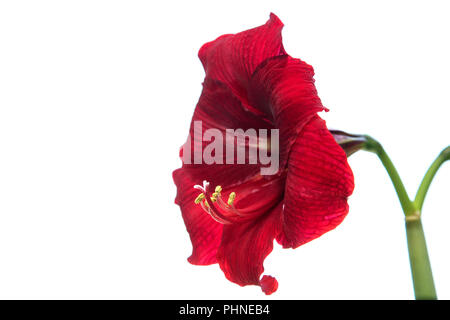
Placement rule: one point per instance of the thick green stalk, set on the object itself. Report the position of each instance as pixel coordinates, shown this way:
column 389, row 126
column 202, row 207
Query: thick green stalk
column 418, row 254
column 418, row 258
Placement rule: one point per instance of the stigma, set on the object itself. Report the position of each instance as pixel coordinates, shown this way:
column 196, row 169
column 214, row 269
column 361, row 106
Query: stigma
column 213, row 204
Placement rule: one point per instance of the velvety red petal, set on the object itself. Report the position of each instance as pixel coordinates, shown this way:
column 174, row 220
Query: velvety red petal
column 283, row 87
column 220, row 110
column 245, row 246
column 205, row 233
column 232, row 59
column 318, row 183
column 260, row 194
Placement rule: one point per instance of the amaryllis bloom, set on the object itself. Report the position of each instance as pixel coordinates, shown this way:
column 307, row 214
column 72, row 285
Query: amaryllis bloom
column 232, row 212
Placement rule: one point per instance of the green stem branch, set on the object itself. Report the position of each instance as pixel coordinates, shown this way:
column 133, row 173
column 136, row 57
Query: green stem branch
column 429, row 175
column 374, row 146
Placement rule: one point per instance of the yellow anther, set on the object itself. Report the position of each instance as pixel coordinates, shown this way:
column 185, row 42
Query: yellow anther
column 231, row 198
column 214, row 196
column 199, row 199
column 218, row 189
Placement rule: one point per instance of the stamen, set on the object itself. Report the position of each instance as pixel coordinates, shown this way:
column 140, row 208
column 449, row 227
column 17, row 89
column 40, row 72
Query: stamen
column 223, row 213
column 199, row 198
column 231, row 198
column 206, row 207
column 214, row 196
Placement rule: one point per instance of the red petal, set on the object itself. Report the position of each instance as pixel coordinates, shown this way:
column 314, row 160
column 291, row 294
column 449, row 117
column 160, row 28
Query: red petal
column 259, row 195
column 283, row 87
column 205, row 233
column 318, row 184
column 219, row 109
column 245, row 246
column 232, row 59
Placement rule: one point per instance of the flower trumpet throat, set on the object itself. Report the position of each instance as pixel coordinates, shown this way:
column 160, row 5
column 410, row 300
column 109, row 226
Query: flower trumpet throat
column 213, row 204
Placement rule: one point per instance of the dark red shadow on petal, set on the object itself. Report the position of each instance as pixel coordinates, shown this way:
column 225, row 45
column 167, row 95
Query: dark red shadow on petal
column 283, row 88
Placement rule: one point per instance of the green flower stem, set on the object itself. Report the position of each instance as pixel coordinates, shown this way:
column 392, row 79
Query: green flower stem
column 429, row 175
column 418, row 258
column 417, row 247
column 374, row 146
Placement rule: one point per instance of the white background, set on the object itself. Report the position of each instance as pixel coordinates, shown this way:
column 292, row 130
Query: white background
column 96, row 98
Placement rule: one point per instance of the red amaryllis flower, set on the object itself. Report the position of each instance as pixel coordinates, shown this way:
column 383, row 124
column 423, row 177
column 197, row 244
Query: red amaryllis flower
column 251, row 82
